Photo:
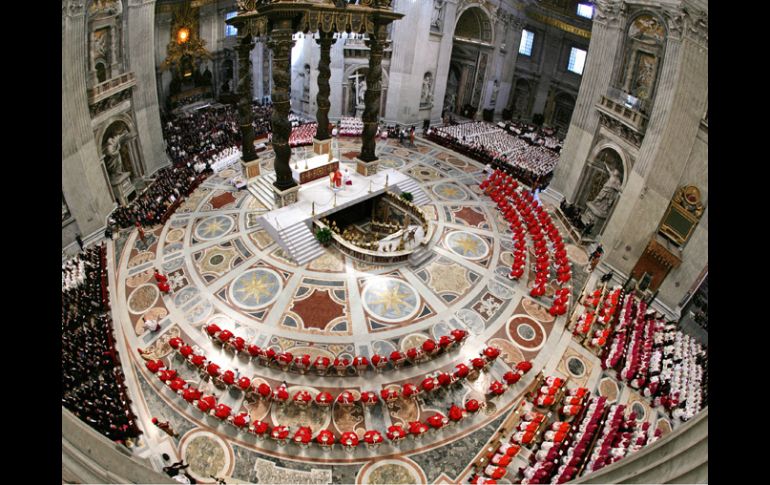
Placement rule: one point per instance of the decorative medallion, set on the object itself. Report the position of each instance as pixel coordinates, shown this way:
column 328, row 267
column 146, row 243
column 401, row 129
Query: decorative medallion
column 467, row 245
column 255, row 288
column 390, row 299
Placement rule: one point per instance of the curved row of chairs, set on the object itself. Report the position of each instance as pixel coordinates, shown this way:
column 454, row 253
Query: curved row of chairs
column 304, row 436
column 523, row 211
column 342, row 366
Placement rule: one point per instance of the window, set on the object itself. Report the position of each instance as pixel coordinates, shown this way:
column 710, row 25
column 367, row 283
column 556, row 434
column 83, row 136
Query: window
column 229, row 29
column 577, row 59
column 527, row 39
column 585, row 10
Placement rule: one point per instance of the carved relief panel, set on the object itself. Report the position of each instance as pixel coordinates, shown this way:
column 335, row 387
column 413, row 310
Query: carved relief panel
column 645, row 43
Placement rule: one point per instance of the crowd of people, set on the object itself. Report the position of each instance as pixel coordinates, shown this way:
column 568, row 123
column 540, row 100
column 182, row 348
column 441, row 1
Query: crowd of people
column 349, row 126
column 159, row 199
column 303, row 135
column 653, row 356
column 530, row 157
column 93, row 386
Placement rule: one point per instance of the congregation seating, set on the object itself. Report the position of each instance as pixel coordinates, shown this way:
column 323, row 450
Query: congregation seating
column 93, row 385
column 199, row 135
column 286, row 361
column 667, row 365
column 160, row 199
column 522, row 210
column 303, row 135
column 524, row 156
column 304, row 436
column 349, row 126
column 228, row 378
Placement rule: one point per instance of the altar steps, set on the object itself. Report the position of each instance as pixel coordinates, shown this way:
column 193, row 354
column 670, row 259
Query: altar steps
column 411, row 186
column 262, row 190
column 300, row 243
column 417, row 258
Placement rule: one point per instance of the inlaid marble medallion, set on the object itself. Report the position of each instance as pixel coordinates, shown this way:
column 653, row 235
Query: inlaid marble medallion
column 213, row 227
column 390, row 299
column 467, row 245
column 255, row 288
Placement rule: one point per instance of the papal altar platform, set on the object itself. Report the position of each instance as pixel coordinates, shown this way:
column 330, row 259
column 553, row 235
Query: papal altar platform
column 292, row 226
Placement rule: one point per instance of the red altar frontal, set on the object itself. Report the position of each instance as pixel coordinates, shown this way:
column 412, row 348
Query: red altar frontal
column 303, row 171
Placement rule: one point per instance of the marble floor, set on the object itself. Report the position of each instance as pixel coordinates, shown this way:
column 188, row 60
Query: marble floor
column 225, row 269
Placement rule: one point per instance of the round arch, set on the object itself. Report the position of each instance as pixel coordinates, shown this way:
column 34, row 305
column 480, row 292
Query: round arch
column 607, row 144
column 474, row 19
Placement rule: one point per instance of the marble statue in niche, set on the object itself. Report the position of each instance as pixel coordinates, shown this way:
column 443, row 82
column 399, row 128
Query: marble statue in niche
column 112, row 157
column 599, row 207
column 437, row 15
column 306, row 84
column 426, row 96
column 495, row 91
column 361, row 92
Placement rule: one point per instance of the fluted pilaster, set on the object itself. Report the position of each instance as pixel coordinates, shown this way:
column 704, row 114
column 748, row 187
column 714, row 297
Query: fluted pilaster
column 141, row 60
column 84, row 183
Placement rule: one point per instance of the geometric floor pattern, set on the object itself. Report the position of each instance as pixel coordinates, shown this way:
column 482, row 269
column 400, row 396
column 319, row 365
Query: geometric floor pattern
column 223, row 268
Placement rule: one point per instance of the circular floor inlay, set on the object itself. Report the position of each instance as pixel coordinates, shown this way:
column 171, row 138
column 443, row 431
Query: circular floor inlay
column 390, row 299
column 525, row 331
column 396, row 471
column 641, row 413
column 467, row 245
column 216, row 259
column 576, row 366
column 207, row 455
column 174, row 235
column 213, row 227
column 609, row 389
column 255, row 288
column 143, row 298
column 449, row 191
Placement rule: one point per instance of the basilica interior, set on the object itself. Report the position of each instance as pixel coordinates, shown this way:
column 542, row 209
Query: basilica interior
column 384, row 241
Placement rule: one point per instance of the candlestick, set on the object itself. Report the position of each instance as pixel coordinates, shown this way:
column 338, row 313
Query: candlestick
column 313, row 208
column 335, row 199
column 370, row 186
column 386, row 180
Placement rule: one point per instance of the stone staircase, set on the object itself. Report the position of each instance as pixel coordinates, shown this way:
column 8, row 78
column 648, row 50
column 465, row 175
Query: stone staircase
column 418, row 257
column 410, row 185
column 262, row 190
column 300, row 242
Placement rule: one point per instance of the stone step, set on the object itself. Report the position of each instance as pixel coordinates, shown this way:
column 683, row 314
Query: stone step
column 419, row 257
column 262, row 190
column 418, row 195
column 300, row 243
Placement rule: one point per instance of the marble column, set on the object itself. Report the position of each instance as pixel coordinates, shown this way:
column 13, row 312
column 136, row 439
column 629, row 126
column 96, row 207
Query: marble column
column 376, row 44
column 84, row 180
column 245, row 114
column 141, row 60
column 281, row 43
column 506, row 88
column 324, row 74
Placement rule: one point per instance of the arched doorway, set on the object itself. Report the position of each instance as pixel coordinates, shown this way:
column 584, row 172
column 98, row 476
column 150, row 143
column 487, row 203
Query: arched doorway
column 471, row 51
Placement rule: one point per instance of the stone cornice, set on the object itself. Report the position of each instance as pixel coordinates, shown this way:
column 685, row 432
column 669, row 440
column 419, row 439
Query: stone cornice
column 609, row 12
column 72, row 8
